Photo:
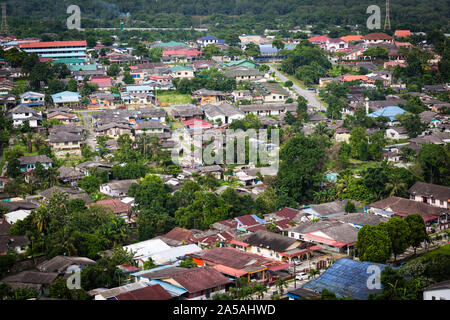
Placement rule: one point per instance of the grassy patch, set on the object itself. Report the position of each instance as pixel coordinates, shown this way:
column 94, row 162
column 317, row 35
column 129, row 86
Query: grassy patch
column 173, row 97
column 445, row 250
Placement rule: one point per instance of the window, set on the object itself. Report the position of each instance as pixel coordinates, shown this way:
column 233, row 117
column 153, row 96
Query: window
column 292, row 235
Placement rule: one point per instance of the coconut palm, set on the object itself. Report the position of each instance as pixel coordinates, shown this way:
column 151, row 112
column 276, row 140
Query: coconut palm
column 313, row 273
column 281, row 284
column 38, row 141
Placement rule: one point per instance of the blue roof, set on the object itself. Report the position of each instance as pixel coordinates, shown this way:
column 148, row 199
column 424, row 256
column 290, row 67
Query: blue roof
column 174, row 291
column 346, row 278
column 66, row 96
column 138, row 88
column 390, row 112
column 208, row 37
column 267, row 49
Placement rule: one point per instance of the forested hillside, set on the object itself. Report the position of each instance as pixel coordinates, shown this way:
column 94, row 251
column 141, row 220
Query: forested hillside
column 252, row 14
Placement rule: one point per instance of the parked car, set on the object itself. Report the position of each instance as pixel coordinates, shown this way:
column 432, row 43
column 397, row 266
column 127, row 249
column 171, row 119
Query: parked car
column 301, row 276
column 310, row 89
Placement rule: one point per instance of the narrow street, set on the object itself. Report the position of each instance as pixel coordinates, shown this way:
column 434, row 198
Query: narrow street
column 90, row 140
column 308, row 95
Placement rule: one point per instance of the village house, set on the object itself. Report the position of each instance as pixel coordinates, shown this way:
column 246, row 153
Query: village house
column 182, row 72
column 71, row 192
column 28, row 163
column 32, row 99
column 22, row 114
column 433, row 216
column 377, row 38
column 65, row 143
column 119, row 208
column 272, row 109
column 432, row 194
column 396, row 133
column 224, row 113
column 117, row 188
column 205, row 96
column 64, row 264
column 66, row 99
column 9, row 242
column 186, row 112
column 63, row 117
column 71, row 176
column 102, row 100
column 249, row 74
column 113, row 130
column 269, row 92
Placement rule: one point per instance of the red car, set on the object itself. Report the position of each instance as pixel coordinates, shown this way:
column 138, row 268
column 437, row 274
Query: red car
column 121, row 106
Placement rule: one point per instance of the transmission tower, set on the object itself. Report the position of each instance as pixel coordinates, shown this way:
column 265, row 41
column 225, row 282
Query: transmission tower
column 4, row 28
column 387, row 22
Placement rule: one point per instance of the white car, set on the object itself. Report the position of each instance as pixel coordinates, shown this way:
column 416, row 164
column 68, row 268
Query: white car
column 301, row 276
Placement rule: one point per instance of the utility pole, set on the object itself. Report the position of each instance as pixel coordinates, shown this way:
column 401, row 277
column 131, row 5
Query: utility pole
column 387, row 21
column 4, row 28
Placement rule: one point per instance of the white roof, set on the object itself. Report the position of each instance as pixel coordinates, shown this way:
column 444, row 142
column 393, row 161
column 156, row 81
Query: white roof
column 18, row 215
column 147, row 248
column 172, row 254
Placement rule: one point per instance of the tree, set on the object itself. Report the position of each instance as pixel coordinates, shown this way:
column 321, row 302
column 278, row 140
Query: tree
column 278, row 43
column 399, row 234
column 376, row 53
column 373, row 244
column 113, row 70
column 232, row 39
column 350, row 207
column 412, row 124
column 13, row 168
column 418, row 232
column 127, row 78
column 301, row 167
column 149, row 264
column 252, row 49
column 91, row 41
column 435, row 162
column 281, row 284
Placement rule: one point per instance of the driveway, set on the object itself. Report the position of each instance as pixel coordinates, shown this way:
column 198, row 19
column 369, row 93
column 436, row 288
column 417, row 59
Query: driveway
column 308, row 95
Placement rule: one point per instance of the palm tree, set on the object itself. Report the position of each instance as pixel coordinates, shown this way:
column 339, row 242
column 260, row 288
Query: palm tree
column 281, row 284
column 29, row 138
column 38, row 141
column 261, row 290
column 313, row 273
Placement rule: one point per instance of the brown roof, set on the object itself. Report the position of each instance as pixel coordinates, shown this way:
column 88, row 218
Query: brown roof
column 198, row 279
column 116, row 205
column 377, row 36
column 59, row 264
column 153, row 292
column 406, row 206
column 430, row 190
column 31, row 277
column 270, row 240
column 179, row 234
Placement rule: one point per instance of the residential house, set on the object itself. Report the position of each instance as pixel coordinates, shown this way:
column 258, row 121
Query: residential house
column 336, row 44
column 432, row 194
column 9, row 242
column 275, row 246
column 64, row 117
column 224, row 113
column 71, row 192
column 239, row 264
column 40, row 281
column 191, row 283
column 28, row 163
column 32, row 99
column 113, row 129
column 186, row 112
column 151, row 292
column 64, row 264
column 347, row 278
column 396, row 133
column 206, row 40
column 22, row 114
column 103, row 82
column 240, row 63
column 181, row 55
column 142, row 250
column 437, row 291
column 66, row 99
column 269, row 109
column 432, row 216
column 182, row 72
column 102, row 100
column 377, row 38
column 244, row 74
column 269, row 92
column 326, row 210
column 67, row 175
column 117, row 207
column 65, row 143
column 117, row 188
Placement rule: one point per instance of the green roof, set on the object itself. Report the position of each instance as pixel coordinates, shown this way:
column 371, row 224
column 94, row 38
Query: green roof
column 179, row 68
column 86, row 67
column 69, row 61
column 239, row 62
column 170, row 44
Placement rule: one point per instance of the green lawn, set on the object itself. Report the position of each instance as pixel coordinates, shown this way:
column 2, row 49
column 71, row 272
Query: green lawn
column 445, row 249
column 172, row 97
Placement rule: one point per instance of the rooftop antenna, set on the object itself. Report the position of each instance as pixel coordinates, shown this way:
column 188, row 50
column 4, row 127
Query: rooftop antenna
column 387, row 21
column 4, row 28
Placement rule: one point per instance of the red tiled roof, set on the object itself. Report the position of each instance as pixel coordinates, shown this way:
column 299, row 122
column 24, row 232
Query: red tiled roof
column 191, row 53
column 239, row 243
column 179, row 234
column 116, row 205
column 351, row 38
column 256, row 228
column 329, row 242
column 318, row 39
column 247, row 220
column 53, row 44
column 402, row 33
column 377, row 36
column 153, row 292
column 288, row 213
column 198, row 279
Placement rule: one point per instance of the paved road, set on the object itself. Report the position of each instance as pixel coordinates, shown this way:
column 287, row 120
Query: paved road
column 90, row 140
column 308, row 95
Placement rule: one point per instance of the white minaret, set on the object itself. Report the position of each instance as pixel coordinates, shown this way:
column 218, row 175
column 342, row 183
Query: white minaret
column 366, row 103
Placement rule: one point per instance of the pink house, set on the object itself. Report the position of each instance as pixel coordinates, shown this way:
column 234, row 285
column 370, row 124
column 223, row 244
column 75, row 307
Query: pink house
column 103, row 82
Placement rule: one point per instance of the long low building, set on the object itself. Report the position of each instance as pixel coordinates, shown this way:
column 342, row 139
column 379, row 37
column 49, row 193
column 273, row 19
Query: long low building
column 56, row 49
column 268, row 109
